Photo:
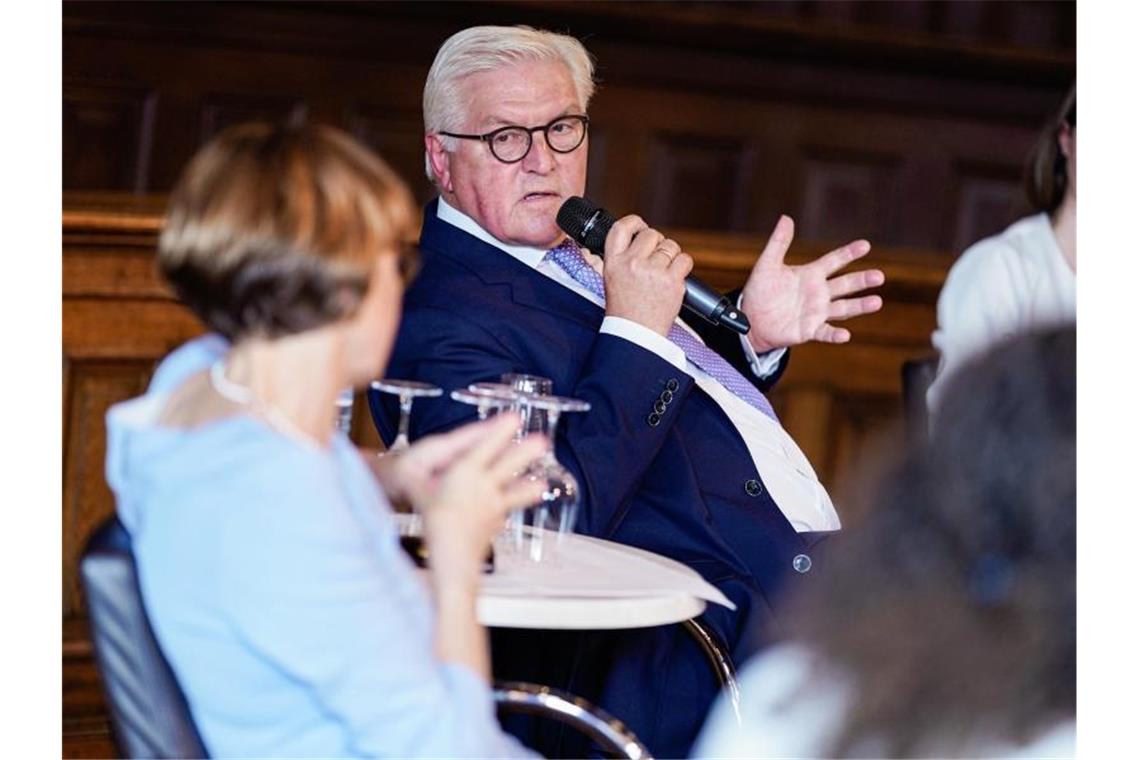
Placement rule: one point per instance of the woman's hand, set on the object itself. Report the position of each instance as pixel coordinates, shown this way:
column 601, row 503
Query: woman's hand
column 464, row 483
column 465, row 499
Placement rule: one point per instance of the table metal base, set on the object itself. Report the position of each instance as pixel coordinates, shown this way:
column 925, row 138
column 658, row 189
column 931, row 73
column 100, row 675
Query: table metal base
column 721, row 663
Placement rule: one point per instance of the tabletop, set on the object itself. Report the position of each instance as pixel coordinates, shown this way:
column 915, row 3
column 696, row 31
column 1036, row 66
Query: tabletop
column 591, row 584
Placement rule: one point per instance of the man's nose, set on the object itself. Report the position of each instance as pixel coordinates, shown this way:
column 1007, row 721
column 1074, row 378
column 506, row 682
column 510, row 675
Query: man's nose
column 540, row 158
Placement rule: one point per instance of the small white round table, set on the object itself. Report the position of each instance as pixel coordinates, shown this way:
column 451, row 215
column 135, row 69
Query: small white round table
column 592, row 584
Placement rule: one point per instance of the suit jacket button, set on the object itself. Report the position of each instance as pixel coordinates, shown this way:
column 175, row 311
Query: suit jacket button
column 667, row 396
column 671, row 385
column 654, row 419
column 752, row 487
column 801, row 563
column 659, row 406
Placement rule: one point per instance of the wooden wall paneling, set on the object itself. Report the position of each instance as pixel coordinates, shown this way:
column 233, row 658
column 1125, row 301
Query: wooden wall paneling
column 897, row 170
column 1034, row 24
column 791, row 76
column 95, row 385
column 597, row 162
column 861, row 367
column 922, row 197
column 862, row 426
column 778, row 178
column 112, row 272
column 222, row 110
column 398, row 136
column 911, row 16
column 129, row 329
column 987, row 196
column 108, row 130
column 697, row 181
column 615, row 171
column 205, row 89
column 864, row 177
column 805, row 411
column 848, row 195
column 964, row 19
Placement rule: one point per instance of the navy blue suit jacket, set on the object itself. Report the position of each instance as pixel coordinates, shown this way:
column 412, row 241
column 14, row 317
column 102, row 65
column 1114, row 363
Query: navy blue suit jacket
column 685, row 487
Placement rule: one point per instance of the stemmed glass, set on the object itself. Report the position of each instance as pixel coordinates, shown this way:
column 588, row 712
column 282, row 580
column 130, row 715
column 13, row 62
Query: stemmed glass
column 486, row 397
column 408, row 391
column 531, row 385
column 556, row 512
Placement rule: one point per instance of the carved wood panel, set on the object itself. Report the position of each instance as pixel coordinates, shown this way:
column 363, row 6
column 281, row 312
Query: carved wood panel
column 221, row 110
column 697, row 180
column 848, row 196
column 398, row 136
column 94, row 386
column 705, row 134
column 108, row 130
column 988, row 198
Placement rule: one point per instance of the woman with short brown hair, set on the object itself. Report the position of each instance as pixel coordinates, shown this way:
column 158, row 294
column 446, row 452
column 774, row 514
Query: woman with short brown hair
column 267, row 554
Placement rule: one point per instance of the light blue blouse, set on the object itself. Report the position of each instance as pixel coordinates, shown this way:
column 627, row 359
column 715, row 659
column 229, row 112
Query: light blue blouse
column 272, row 575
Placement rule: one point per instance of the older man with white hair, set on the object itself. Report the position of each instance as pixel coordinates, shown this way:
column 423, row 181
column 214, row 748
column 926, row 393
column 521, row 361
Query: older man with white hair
column 681, row 454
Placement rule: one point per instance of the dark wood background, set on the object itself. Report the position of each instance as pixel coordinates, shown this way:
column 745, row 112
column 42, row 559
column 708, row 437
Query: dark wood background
column 903, row 122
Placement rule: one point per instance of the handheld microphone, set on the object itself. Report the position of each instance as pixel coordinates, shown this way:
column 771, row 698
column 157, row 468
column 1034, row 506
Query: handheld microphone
column 589, row 223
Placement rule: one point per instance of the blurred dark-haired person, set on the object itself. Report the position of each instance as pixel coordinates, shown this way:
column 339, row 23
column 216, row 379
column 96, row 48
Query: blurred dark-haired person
column 267, row 553
column 1025, row 277
column 948, row 628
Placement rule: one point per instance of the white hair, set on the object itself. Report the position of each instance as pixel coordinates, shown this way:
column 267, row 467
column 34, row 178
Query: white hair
column 486, row 48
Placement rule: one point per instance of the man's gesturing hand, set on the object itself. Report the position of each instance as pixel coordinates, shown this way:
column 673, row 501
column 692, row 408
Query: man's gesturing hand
column 788, row 305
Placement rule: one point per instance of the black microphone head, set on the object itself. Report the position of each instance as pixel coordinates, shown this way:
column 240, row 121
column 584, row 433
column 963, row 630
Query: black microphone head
column 586, row 222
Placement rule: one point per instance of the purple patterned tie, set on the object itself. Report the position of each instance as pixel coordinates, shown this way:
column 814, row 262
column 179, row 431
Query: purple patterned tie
column 569, row 257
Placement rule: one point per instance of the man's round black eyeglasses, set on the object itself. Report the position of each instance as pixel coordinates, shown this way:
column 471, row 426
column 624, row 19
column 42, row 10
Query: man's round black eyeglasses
column 511, row 144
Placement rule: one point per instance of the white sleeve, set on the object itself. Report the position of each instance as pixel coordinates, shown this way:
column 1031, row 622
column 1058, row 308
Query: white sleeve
column 980, row 305
column 762, row 365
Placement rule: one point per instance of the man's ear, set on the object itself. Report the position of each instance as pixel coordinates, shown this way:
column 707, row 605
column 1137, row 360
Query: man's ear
column 439, row 160
column 1065, row 140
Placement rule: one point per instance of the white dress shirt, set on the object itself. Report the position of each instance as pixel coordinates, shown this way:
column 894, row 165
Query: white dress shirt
column 785, row 470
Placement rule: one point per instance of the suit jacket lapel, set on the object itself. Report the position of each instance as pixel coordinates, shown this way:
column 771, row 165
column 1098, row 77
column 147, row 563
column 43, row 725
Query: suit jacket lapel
column 496, row 267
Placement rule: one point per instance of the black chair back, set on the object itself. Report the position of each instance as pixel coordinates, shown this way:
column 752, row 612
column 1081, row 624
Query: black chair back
column 149, row 714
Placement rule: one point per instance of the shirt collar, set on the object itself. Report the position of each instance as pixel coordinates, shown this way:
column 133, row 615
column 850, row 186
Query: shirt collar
column 445, row 212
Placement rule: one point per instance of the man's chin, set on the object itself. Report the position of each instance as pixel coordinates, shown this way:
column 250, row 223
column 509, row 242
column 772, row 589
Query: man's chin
column 539, row 229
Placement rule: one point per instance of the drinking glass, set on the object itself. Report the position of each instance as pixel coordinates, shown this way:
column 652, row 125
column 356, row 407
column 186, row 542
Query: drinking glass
column 533, row 385
column 486, row 397
column 542, row 527
column 408, row 391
